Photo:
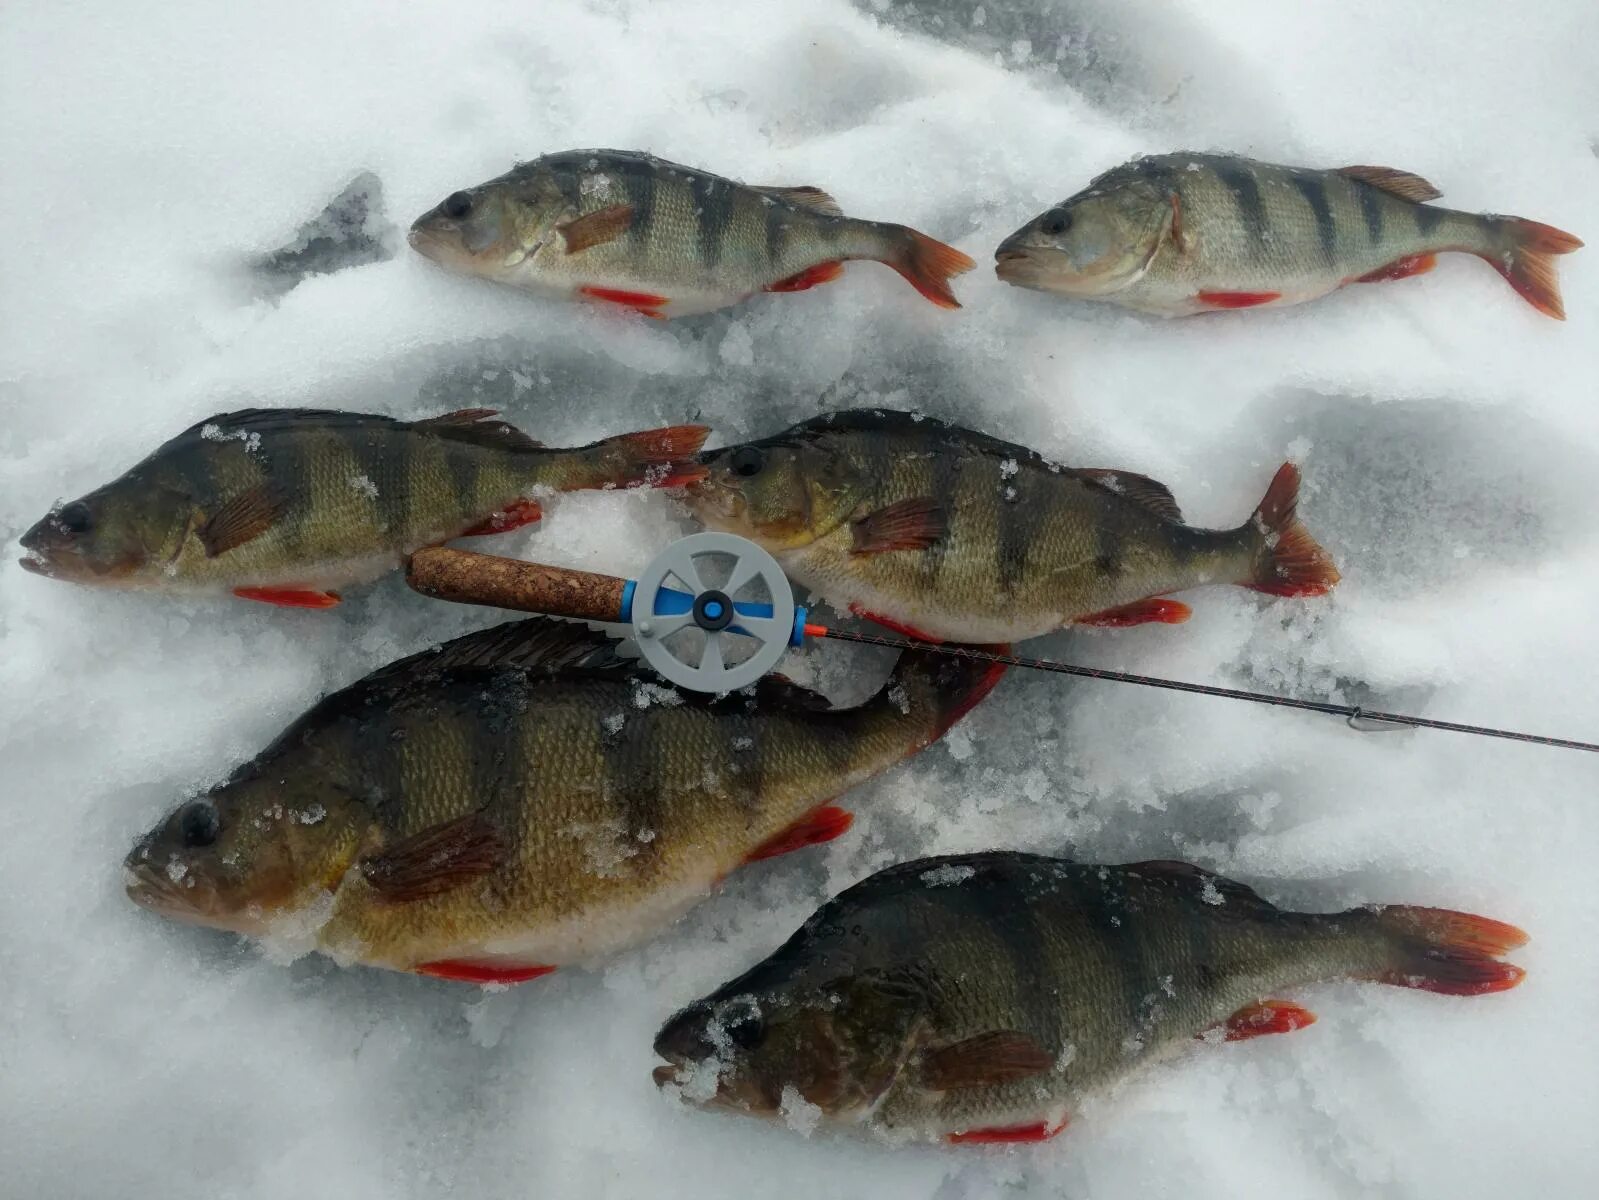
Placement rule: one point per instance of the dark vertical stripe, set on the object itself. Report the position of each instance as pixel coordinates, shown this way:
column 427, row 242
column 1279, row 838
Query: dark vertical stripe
column 564, row 172
column 1101, row 898
column 377, row 452
column 1314, row 189
column 1427, row 218
column 713, row 210
column 1109, row 544
column 289, row 463
column 777, row 223
column 945, row 452
column 1371, row 209
column 639, row 183
column 632, row 757
column 465, row 466
column 1017, row 521
column 1246, row 192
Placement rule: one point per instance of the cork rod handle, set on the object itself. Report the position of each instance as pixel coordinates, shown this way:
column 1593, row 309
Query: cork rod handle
column 470, row 578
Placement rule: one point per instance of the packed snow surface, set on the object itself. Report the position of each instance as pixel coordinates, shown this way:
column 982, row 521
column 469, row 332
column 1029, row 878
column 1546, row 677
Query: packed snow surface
column 166, row 255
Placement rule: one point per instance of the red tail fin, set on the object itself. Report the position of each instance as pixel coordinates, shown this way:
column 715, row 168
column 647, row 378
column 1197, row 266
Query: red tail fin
column 928, row 264
column 660, row 457
column 1292, row 564
column 1528, row 262
column 1455, row 953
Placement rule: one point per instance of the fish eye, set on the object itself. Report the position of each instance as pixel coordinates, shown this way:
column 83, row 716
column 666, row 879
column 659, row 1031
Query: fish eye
column 1056, row 222
column 742, row 1021
column 74, row 517
column 456, row 205
column 198, row 824
column 747, row 461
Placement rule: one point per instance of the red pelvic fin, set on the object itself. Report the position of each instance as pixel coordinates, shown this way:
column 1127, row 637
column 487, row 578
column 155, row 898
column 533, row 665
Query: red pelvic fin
column 821, row 825
column 808, row 278
column 512, row 516
column 1237, row 299
column 466, row 970
column 1139, row 612
column 1400, row 268
column 894, row 626
column 640, row 302
column 288, row 597
column 1269, row 1016
column 1037, row 1131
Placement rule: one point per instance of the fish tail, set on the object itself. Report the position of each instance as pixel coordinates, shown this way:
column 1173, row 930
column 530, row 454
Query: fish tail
column 944, row 685
column 652, row 458
column 1525, row 256
column 1288, row 561
column 1439, row 950
column 926, row 263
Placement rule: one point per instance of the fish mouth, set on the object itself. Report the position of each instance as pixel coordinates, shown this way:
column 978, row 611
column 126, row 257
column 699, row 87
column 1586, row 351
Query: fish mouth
column 670, row 1074
column 35, row 564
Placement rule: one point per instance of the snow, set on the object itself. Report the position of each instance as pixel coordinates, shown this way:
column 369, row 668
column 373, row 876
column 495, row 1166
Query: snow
column 157, row 158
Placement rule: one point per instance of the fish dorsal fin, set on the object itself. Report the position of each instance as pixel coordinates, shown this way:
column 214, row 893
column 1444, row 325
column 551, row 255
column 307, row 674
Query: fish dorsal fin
column 1140, row 489
column 224, row 426
column 474, row 426
column 812, row 198
column 1207, row 885
column 541, row 644
column 1400, row 183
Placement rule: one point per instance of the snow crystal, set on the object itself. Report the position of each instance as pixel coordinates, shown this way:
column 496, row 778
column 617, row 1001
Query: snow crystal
column 148, row 159
column 947, row 875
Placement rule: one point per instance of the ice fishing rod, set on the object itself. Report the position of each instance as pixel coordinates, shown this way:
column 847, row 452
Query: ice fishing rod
column 656, row 612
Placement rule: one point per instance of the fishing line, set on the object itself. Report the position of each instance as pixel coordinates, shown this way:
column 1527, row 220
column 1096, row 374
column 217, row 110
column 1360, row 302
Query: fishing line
column 1353, row 714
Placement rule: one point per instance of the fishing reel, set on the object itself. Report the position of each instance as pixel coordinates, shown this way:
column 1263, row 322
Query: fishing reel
column 712, row 612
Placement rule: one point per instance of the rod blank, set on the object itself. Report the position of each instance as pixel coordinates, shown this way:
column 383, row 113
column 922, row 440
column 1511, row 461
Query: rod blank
column 470, row 578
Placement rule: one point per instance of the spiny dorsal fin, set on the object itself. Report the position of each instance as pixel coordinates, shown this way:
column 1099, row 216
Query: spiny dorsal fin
column 265, row 420
column 538, row 644
column 436, row 860
column 1140, row 489
column 1401, row 183
column 246, row 516
column 812, row 198
column 1204, row 884
column 472, row 425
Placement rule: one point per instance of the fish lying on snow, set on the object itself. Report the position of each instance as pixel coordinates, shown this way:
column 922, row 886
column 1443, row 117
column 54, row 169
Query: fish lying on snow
column 980, row 997
column 1187, row 233
column 287, row 505
column 637, row 231
column 940, row 532
column 521, row 798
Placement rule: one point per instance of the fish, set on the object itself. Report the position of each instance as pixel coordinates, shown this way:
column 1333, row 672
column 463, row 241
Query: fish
column 981, row 998
column 1178, row 234
column 524, row 798
column 946, row 534
column 636, row 232
column 288, row 506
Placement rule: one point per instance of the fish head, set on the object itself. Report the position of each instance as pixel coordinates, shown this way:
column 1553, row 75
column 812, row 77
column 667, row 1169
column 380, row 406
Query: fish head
column 783, row 493
column 1097, row 243
column 247, row 853
column 837, row 1044
column 490, row 229
column 123, row 535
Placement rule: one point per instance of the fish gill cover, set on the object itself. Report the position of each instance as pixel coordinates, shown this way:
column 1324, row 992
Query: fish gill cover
column 1447, row 432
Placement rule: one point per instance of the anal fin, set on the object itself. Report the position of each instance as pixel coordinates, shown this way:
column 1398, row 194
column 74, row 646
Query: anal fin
column 1400, row 268
column 288, row 597
column 513, row 516
column 1269, row 1016
column 1139, row 612
column 820, row 825
column 808, row 278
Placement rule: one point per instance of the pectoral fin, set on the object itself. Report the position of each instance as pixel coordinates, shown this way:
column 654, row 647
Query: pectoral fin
column 913, row 524
column 596, row 228
column 247, row 515
column 998, row 1056
column 436, row 860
